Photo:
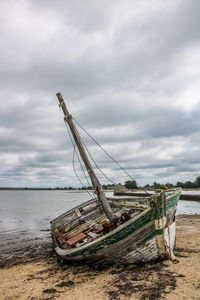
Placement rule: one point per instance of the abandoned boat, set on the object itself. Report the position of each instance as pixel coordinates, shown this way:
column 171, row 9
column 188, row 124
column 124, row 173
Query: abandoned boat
column 107, row 230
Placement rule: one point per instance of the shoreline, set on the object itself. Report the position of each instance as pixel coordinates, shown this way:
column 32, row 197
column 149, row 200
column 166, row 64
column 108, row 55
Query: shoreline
column 30, row 271
column 50, row 189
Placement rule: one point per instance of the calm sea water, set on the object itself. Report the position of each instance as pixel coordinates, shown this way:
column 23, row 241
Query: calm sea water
column 27, row 214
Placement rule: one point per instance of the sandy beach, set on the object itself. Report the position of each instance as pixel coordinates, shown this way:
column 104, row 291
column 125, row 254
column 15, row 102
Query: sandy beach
column 30, row 271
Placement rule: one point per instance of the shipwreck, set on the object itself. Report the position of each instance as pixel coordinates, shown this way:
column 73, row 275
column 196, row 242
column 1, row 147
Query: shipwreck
column 115, row 229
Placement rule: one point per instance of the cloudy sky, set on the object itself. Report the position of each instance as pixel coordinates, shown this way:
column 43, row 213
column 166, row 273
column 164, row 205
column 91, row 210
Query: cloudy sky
column 129, row 72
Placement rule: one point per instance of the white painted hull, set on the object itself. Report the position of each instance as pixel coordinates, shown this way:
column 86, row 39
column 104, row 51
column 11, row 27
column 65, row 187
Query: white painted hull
column 160, row 246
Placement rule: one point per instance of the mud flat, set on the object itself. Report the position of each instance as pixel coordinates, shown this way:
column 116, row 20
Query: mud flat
column 30, row 271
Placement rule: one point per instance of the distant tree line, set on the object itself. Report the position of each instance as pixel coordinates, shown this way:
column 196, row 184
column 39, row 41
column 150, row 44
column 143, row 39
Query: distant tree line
column 185, row 185
column 190, row 184
column 157, row 185
column 132, row 184
column 104, row 186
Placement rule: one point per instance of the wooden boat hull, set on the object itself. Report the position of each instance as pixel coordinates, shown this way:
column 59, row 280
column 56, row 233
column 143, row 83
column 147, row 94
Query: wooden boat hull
column 148, row 236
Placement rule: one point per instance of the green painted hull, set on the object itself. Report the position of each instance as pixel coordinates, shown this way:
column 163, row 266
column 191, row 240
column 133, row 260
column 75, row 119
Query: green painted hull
column 140, row 239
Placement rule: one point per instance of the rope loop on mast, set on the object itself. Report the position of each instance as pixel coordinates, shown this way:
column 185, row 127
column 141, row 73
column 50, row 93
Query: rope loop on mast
column 68, row 117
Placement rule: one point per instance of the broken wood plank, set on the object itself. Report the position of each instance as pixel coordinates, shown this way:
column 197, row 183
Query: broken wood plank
column 78, row 238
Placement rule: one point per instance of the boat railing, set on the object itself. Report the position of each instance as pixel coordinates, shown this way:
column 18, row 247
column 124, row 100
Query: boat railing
column 71, row 211
column 172, row 191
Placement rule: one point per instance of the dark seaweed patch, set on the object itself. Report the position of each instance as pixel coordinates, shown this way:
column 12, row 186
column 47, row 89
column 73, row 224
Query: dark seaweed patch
column 187, row 250
column 150, row 280
column 26, row 251
column 69, row 283
column 49, row 291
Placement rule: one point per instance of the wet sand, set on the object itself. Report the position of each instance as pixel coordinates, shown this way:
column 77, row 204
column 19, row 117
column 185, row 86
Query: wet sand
column 28, row 270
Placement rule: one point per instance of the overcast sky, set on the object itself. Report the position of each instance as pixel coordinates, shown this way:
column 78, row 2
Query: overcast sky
column 129, row 72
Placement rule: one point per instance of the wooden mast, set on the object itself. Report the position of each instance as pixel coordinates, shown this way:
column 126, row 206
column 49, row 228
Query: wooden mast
column 95, row 182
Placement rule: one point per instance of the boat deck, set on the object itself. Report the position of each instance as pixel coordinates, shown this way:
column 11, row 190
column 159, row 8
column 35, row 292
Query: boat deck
column 88, row 222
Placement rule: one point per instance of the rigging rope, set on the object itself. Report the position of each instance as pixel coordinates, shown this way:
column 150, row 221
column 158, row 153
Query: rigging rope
column 104, row 150
column 75, row 152
column 73, row 162
column 96, row 163
column 105, row 153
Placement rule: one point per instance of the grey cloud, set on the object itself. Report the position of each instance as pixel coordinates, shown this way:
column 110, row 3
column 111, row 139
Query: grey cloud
column 124, row 68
